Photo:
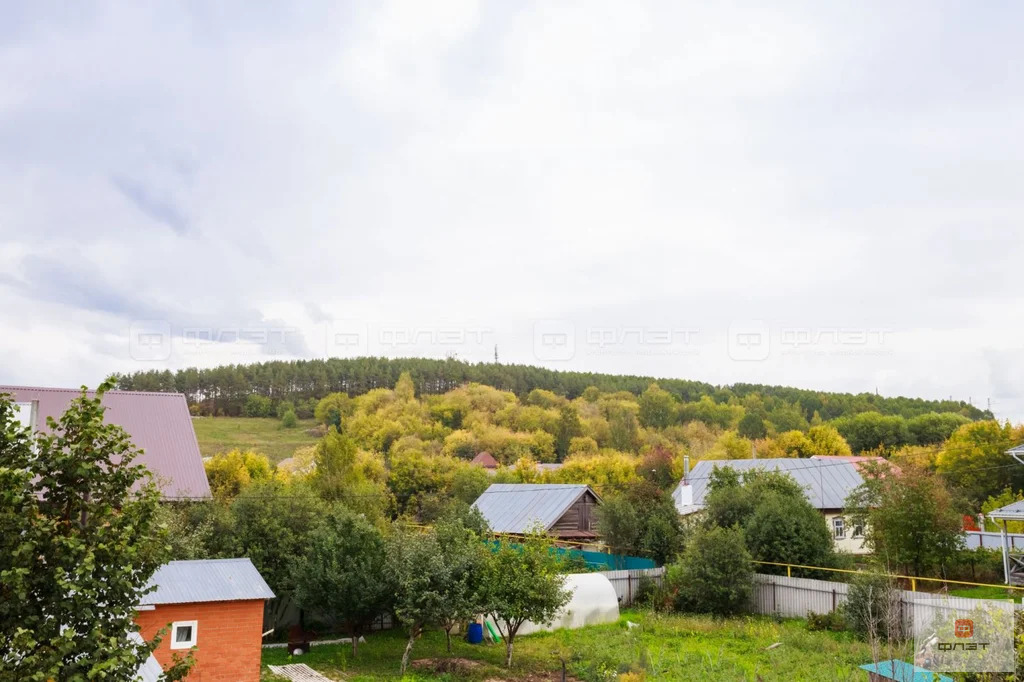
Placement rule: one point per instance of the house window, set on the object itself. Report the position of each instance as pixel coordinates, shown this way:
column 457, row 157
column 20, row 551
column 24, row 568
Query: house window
column 858, row 531
column 24, row 413
column 183, row 634
column 839, row 528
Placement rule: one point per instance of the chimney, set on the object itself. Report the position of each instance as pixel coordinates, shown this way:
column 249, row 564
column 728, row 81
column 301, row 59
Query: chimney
column 686, row 467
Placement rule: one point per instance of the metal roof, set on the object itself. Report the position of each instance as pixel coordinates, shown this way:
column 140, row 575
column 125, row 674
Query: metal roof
column 826, row 483
column 514, row 507
column 206, row 580
column 1011, row 512
column 150, row 671
column 158, row 423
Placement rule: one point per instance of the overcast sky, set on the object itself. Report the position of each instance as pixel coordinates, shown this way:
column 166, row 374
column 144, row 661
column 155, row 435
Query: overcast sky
column 824, row 195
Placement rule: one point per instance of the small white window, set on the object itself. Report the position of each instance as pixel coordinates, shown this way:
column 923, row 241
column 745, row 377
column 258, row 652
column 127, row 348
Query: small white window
column 25, row 414
column 183, row 634
column 839, row 527
column 858, row 531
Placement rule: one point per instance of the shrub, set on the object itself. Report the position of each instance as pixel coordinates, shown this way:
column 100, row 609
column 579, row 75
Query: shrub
column 832, row 622
column 872, row 608
column 289, row 420
column 715, row 574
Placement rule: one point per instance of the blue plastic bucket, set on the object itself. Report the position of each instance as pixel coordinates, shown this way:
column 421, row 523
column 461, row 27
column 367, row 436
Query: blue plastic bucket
column 475, row 633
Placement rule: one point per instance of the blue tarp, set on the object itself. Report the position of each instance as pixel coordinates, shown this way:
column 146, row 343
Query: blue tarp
column 904, row 672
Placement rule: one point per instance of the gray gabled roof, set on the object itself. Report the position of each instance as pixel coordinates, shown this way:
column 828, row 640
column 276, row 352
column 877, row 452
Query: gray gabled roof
column 514, row 507
column 826, row 483
column 1011, row 512
column 206, row 580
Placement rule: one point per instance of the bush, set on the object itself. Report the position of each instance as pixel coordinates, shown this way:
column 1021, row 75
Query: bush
column 289, row 420
column 831, row 622
column 872, row 608
column 714, row 573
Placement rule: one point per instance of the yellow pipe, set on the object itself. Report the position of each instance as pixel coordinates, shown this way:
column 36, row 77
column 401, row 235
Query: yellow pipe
column 912, row 578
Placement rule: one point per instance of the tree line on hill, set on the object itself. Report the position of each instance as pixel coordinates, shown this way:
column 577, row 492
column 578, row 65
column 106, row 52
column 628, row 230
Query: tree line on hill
column 224, row 390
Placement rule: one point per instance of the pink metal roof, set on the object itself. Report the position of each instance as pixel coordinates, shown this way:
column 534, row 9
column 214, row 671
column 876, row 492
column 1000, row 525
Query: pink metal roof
column 158, row 423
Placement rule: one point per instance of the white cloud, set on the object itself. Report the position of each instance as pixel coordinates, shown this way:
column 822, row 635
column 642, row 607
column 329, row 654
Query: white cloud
column 422, row 166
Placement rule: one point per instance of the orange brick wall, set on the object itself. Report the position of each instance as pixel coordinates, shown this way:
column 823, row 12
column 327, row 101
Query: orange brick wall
column 228, row 642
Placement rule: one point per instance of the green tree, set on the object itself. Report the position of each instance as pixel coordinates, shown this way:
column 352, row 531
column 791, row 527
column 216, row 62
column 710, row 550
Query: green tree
column 933, row 428
column 464, row 593
column 525, row 584
column 271, row 522
column 340, row 572
column 657, row 408
column 974, row 461
column 420, row 578
column 910, row 519
column 333, row 409
column 752, row 426
column 771, row 508
column 569, row 427
column 290, row 420
column 715, row 574
column 871, row 430
column 641, row 521
column 257, row 405
column 623, row 428
column 79, row 540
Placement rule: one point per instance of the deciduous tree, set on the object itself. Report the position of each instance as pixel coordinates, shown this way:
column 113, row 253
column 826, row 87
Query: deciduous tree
column 526, row 584
column 79, row 540
column 341, row 572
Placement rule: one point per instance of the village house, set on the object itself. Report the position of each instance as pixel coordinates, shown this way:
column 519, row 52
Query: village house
column 826, row 482
column 565, row 511
column 214, row 605
column 158, row 423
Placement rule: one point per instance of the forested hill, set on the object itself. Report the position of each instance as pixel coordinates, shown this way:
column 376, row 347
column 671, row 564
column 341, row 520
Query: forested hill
column 224, row 390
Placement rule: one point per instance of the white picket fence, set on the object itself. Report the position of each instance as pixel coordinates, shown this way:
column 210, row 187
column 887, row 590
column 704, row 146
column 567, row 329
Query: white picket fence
column 796, row 597
column 626, row 582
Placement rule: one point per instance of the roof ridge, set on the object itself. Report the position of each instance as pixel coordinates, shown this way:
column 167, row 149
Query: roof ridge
column 78, row 391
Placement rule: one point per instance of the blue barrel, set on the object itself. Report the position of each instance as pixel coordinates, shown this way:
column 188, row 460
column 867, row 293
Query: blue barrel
column 475, row 633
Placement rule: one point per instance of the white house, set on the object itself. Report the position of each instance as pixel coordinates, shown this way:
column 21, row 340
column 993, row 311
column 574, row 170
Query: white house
column 826, row 481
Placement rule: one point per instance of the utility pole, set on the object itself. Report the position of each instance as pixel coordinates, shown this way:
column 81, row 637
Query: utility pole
column 495, row 353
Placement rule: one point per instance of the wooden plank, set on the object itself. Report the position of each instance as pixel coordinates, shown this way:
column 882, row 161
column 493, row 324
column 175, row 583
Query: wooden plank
column 298, row 672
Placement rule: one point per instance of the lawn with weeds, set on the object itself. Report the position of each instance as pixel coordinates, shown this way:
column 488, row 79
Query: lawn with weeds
column 260, row 434
column 659, row 647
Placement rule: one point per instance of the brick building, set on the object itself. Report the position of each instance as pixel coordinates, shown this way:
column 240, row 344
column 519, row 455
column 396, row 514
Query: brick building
column 214, row 605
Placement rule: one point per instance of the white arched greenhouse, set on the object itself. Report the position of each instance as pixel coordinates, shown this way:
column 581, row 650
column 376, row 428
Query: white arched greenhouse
column 593, row 602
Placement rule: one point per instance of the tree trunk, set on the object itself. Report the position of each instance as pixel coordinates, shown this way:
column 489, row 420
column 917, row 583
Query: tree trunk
column 354, row 638
column 508, row 652
column 408, row 650
column 448, row 637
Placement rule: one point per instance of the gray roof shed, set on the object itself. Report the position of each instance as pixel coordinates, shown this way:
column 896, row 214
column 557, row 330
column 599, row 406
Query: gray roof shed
column 514, row 507
column 826, row 483
column 206, row 580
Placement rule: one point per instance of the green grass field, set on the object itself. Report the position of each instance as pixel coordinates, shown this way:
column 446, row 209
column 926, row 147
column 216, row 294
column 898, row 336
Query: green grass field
column 991, row 592
column 665, row 647
column 264, row 435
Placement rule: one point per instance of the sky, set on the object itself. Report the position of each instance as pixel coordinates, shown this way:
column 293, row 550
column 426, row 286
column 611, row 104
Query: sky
column 822, row 195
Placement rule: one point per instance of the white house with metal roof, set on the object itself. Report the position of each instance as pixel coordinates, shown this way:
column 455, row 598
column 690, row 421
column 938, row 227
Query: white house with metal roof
column 826, row 484
column 564, row 511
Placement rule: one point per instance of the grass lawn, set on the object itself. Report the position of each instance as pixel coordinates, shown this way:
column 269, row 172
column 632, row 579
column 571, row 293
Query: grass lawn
column 667, row 647
column 987, row 593
column 264, row 435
